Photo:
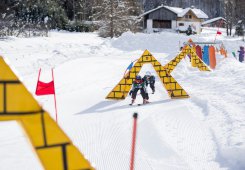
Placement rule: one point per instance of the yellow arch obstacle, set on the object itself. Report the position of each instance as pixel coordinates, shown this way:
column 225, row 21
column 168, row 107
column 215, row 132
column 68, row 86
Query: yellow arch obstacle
column 195, row 60
column 121, row 90
column 54, row 149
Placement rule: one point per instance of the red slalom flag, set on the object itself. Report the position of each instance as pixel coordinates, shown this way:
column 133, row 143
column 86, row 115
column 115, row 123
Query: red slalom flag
column 47, row 89
column 44, row 88
column 219, row 33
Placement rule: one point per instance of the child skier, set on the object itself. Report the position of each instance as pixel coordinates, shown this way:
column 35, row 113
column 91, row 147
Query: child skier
column 150, row 79
column 241, row 54
column 189, row 30
column 138, row 84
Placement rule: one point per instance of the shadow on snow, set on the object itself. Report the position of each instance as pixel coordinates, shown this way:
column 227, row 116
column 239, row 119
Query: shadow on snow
column 102, row 106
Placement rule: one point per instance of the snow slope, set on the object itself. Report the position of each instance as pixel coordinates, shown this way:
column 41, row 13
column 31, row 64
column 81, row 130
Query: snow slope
column 206, row 131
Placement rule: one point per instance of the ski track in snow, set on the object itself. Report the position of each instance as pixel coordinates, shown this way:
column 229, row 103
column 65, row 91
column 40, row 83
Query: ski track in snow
column 206, row 131
column 223, row 108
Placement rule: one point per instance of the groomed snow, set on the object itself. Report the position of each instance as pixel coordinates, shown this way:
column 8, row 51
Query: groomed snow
column 206, row 131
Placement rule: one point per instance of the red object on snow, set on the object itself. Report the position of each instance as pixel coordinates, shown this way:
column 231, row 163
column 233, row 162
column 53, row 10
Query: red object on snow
column 199, row 51
column 135, row 116
column 219, row 33
column 47, row 89
column 44, row 88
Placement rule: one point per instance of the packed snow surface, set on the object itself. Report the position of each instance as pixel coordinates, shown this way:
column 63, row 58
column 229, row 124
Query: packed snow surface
column 205, row 131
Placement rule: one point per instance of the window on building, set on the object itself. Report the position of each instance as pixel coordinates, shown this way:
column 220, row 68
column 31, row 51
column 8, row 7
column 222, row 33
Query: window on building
column 162, row 24
column 188, row 16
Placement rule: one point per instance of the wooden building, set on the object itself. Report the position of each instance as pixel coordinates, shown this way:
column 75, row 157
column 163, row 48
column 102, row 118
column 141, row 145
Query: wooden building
column 215, row 22
column 165, row 17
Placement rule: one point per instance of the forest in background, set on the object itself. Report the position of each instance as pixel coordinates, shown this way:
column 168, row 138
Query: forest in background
column 110, row 17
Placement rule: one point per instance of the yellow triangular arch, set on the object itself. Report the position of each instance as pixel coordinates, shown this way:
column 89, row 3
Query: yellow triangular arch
column 54, row 149
column 196, row 61
column 121, row 90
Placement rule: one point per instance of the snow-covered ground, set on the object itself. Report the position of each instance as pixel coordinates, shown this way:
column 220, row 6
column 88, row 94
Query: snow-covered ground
column 206, row 131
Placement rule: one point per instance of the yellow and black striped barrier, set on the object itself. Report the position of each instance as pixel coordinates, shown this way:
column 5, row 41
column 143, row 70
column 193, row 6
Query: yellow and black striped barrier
column 171, row 85
column 54, row 149
column 196, row 61
column 121, row 90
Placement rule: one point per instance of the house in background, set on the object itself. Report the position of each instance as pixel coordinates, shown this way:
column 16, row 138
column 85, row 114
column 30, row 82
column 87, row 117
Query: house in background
column 215, row 22
column 166, row 17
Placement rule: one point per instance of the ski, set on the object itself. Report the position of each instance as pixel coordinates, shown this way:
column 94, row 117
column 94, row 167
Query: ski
column 139, row 104
column 135, row 105
column 142, row 104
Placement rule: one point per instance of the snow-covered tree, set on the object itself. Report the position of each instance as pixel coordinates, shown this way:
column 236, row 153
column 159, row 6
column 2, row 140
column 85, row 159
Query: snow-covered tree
column 6, row 18
column 35, row 12
column 134, row 10
column 150, row 4
column 239, row 10
column 229, row 15
column 116, row 16
column 32, row 17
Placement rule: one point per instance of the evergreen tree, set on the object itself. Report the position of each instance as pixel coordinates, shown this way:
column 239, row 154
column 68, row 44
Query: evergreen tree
column 31, row 17
column 239, row 10
column 150, row 4
column 6, row 17
column 116, row 16
column 134, row 10
column 239, row 28
column 36, row 12
column 229, row 15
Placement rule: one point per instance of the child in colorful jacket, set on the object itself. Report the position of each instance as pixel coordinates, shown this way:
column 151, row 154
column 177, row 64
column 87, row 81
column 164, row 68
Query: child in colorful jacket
column 138, row 84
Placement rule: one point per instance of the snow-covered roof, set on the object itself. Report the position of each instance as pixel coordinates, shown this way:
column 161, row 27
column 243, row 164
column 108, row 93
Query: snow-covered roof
column 213, row 20
column 199, row 13
column 179, row 11
column 176, row 10
column 150, row 11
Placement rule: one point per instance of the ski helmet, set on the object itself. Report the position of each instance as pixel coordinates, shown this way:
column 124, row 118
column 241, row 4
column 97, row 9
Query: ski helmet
column 138, row 77
column 148, row 73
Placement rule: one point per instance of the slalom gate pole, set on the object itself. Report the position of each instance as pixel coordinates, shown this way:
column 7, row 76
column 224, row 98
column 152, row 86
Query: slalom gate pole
column 218, row 30
column 38, row 79
column 39, row 75
column 56, row 114
column 135, row 116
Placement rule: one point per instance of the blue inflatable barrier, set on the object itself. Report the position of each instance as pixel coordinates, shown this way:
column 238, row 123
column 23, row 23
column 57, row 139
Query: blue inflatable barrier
column 205, row 56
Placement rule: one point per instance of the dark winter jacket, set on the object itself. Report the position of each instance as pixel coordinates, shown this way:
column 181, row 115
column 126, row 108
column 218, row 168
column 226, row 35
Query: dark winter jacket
column 241, row 54
column 189, row 30
column 149, row 80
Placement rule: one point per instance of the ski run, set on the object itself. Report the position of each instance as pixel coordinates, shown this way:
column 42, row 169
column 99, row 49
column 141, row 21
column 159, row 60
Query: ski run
column 205, row 131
